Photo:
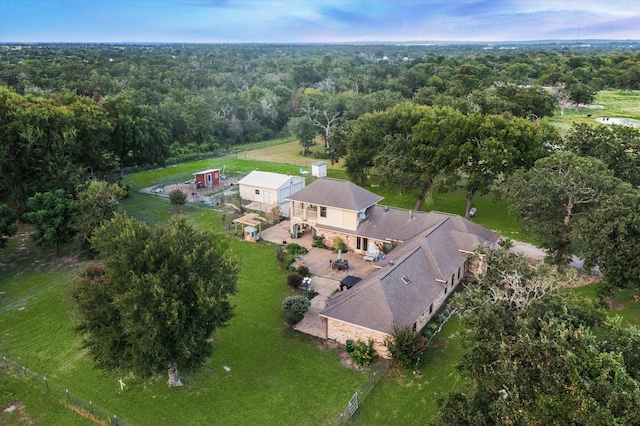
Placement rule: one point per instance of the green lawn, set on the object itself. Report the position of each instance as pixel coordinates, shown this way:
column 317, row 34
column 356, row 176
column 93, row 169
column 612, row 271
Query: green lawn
column 276, row 376
column 409, row 397
column 621, row 303
column 33, row 406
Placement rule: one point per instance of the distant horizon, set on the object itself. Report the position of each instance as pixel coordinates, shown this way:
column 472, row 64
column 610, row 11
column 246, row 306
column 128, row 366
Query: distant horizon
column 316, row 21
column 346, row 43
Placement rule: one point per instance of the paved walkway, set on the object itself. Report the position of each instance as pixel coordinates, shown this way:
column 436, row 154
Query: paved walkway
column 279, row 234
column 312, row 323
column 324, row 280
column 533, row 252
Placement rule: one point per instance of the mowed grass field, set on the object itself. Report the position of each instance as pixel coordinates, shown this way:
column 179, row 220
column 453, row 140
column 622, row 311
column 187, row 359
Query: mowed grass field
column 276, row 375
column 607, row 103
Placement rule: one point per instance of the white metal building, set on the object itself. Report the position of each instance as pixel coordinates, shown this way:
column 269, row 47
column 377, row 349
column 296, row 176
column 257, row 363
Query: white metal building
column 266, row 188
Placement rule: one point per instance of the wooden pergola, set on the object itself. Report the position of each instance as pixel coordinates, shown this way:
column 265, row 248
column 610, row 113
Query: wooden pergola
column 251, row 219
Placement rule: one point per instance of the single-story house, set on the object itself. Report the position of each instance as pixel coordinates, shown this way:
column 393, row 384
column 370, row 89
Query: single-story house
column 207, row 178
column 411, row 284
column 266, row 189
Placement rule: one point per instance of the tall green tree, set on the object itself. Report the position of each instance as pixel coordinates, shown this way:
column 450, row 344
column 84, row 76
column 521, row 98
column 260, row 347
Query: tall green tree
column 177, row 199
column 581, row 94
column 303, row 129
column 526, row 102
column 427, row 155
column 53, row 214
column 138, row 136
column 367, row 138
column 39, row 148
column 490, row 147
column 8, row 225
column 97, row 201
column 548, row 197
column 536, row 356
column 617, row 146
column 156, row 298
column 609, row 238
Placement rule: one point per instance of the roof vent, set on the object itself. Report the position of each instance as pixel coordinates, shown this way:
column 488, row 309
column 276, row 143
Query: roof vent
column 406, row 279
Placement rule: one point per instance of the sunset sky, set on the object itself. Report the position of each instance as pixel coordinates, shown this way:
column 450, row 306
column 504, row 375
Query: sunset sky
column 288, row 21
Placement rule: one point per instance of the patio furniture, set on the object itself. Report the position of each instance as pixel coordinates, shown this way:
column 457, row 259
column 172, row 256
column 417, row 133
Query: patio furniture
column 340, row 264
column 372, row 254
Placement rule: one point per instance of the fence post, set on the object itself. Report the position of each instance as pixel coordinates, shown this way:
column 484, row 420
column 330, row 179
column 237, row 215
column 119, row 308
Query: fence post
column 6, row 364
column 91, row 407
column 24, row 371
column 46, row 383
column 115, row 420
column 68, row 396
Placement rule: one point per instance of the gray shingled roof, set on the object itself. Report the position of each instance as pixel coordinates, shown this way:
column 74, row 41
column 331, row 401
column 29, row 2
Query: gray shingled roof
column 382, row 298
column 337, row 193
column 388, row 223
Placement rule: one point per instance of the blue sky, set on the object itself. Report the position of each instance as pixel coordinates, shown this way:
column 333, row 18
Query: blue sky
column 282, row 21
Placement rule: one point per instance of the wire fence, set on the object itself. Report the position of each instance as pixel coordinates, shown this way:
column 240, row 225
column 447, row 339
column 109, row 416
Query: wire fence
column 86, row 407
column 90, row 410
column 362, row 394
column 303, row 163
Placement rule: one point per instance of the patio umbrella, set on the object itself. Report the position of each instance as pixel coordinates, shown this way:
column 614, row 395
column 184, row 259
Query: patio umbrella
column 339, row 254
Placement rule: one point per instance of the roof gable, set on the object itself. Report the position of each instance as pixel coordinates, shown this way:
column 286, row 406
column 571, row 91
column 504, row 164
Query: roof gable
column 390, row 223
column 427, row 259
column 268, row 179
column 336, row 193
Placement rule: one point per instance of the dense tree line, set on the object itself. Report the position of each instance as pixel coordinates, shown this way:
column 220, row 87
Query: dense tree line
column 423, row 118
column 537, row 356
column 71, row 111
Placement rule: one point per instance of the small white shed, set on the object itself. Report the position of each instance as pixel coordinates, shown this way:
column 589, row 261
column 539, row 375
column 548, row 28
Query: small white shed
column 319, row 169
column 265, row 188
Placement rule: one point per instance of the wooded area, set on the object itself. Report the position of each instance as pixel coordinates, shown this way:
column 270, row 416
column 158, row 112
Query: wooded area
column 73, row 111
column 424, row 118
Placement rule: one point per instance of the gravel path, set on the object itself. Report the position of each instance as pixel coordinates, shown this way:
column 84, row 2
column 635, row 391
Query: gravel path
column 533, row 252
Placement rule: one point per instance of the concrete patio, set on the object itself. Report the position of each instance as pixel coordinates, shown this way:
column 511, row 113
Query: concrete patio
column 324, row 279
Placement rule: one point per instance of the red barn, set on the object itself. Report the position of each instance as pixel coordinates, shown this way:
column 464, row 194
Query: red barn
column 207, row 178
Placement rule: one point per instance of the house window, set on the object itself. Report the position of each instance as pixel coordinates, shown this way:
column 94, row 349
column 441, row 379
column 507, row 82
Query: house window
column 257, row 192
column 323, row 212
column 430, row 309
column 452, row 278
column 446, row 289
column 459, row 272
